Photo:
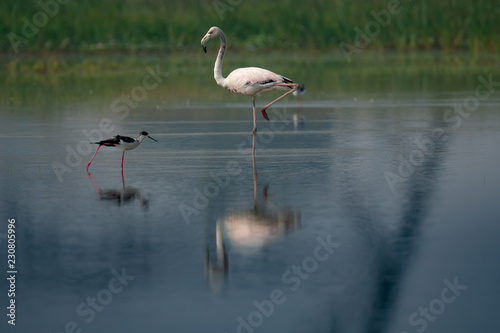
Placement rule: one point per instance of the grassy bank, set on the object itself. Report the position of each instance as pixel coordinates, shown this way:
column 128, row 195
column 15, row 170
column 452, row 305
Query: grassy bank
column 177, row 25
column 59, row 82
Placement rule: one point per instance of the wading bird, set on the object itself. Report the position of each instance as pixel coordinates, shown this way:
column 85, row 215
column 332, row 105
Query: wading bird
column 121, row 142
column 249, row 81
column 300, row 91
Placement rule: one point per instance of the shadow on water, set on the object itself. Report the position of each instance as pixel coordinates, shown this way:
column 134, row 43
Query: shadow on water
column 248, row 231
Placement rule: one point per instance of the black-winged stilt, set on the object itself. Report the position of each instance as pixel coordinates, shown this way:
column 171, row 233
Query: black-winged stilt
column 121, row 142
column 300, row 91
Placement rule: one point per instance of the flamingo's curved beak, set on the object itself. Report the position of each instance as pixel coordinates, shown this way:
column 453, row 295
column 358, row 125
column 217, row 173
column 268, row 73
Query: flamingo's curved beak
column 204, row 42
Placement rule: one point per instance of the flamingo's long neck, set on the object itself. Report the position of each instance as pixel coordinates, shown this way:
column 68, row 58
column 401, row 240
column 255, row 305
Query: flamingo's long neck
column 218, row 63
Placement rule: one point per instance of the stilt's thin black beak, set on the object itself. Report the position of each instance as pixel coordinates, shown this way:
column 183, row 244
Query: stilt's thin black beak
column 152, row 138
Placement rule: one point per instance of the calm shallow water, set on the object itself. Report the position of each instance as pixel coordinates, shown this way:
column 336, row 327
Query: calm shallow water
column 200, row 257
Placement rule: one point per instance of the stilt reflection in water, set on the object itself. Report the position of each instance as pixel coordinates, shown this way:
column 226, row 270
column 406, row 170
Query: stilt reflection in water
column 122, row 195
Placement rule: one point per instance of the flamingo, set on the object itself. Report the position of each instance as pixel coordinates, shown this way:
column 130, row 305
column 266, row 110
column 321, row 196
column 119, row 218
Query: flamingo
column 249, row 81
column 121, row 142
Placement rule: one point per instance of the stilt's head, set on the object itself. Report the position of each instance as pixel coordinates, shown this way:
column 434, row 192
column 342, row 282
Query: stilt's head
column 143, row 135
column 212, row 33
column 300, row 91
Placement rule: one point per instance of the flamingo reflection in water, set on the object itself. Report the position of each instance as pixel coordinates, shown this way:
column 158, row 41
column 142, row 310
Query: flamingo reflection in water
column 125, row 194
column 248, row 231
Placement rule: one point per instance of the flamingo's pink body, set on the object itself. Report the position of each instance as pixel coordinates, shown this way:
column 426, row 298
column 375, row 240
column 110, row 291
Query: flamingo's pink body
column 249, row 81
column 253, row 81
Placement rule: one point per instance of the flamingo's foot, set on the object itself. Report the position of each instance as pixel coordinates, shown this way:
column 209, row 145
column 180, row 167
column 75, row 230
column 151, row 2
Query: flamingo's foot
column 264, row 114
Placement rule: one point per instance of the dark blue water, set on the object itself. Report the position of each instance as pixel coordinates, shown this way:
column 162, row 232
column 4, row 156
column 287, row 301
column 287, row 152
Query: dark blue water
column 362, row 216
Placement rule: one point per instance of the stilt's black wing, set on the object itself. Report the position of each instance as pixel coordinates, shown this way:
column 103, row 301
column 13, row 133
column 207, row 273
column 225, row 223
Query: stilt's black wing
column 110, row 142
column 125, row 139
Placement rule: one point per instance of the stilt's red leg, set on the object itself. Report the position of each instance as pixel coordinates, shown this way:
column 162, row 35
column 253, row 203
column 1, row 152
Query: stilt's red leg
column 93, row 156
column 295, row 87
column 123, row 155
column 123, row 180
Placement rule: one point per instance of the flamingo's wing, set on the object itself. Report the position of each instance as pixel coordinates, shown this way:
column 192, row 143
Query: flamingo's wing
column 252, row 81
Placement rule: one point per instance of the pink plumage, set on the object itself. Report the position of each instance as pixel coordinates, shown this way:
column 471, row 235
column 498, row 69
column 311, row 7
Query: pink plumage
column 253, row 81
column 249, row 81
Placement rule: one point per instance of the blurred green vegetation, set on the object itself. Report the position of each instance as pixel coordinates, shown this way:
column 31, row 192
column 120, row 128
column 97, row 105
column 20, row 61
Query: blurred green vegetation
column 311, row 26
column 94, row 51
column 61, row 82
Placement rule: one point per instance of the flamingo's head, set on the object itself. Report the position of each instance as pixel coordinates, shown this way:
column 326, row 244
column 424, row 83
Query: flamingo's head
column 212, row 33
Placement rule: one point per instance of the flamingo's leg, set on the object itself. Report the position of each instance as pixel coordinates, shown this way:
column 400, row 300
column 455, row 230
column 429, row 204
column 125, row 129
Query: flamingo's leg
column 254, row 174
column 295, row 88
column 254, row 118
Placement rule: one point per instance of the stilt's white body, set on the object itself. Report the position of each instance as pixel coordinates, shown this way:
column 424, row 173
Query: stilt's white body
column 123, row 145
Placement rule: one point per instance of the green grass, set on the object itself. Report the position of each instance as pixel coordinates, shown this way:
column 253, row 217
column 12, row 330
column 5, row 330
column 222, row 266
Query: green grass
column 60, row 81
column 254, row 25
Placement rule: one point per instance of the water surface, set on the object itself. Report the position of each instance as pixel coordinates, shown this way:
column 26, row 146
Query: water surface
column 203, row 240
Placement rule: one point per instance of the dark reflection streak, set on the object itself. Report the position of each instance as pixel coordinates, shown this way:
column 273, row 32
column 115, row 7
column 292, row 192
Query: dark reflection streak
column 421, row 187
column 393, row 255
column 393, row 263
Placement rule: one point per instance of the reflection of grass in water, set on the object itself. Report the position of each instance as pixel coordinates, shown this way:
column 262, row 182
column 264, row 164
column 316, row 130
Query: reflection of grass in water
column 99, row 80
column 133, row 25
